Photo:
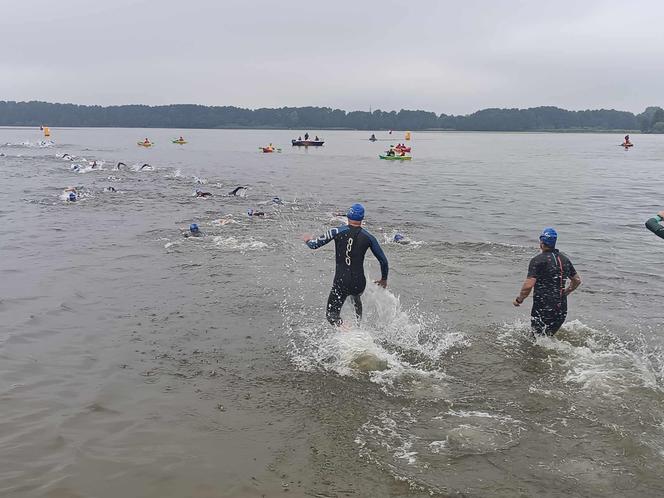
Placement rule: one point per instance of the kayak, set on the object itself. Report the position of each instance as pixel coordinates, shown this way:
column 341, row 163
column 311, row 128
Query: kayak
column 307, row 143
column 181, row 142
column 267, row 150
column 396, row 158
column 143, row 144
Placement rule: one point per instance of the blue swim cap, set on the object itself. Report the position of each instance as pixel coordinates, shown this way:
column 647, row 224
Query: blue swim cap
column 549, row 237
column 398, row 237
column 276, row 200
column 193, row 228
column 72, row 197
column 356, row 212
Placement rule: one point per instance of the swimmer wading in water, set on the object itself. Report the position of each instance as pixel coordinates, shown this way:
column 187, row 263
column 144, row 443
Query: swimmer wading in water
column 351, row 244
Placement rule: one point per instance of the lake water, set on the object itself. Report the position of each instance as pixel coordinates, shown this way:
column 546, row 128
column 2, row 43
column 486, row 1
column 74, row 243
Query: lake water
column 137, row 362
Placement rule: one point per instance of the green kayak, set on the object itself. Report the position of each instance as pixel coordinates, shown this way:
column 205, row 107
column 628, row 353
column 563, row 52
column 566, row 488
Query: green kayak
column 396, row 158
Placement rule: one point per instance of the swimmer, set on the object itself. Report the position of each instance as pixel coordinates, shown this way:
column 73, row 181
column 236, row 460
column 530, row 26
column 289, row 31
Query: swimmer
column 238, row 191
column 251, row 212
column 94, row 164
column 110, row 189
column 351, row 244
column 72, row 197
column 146, row 165
column 76, row 167
column 400, row 239
column 653, row 224
column 276, row 200
column 121, row 164
column 194, row 231
column 67, row 157
column 547, row 273
column 200, row 193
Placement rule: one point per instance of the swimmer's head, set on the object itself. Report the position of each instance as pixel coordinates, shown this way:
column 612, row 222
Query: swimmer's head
column 250, row 212
column 549, row 237
column 193, row 228
column 356, row 212
column 398, row 237
column 72, row 197
column 276, row 200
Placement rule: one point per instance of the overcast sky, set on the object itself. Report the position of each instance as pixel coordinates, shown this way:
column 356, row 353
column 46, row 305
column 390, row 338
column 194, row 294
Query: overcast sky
column 442, row 56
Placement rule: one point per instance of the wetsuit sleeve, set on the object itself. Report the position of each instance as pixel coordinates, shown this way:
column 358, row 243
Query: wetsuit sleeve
column 571, row 271
column 653, row 225
column 380, row 256
column 328, row 236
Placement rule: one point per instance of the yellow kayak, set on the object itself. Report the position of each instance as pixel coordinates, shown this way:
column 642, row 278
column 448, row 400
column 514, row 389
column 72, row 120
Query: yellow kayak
column 145, row 144
column 181, row 142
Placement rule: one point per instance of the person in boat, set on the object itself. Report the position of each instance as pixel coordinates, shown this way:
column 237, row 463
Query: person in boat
column 351, row 244
column 299, row 139
column 146, row 141
column 390, row 153
column 306, row 136
column 627, row 142
column 403, row 153
column 547, row 273
column 654, row 224
column 180, row 139
column 373, row 137
column 316, row 139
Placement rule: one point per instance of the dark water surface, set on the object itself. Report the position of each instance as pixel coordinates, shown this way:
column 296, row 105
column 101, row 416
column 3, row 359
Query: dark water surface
column 135, row 362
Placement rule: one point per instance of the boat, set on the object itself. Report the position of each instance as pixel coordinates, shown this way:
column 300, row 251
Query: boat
column 627, row 145
column 181, row 142
column 145, row 144
column 395, row 158
column 307, row 143
column 372, row 138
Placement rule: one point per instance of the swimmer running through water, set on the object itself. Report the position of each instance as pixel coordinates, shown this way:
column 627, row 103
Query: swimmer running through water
column 547, row 273
column 351, row 244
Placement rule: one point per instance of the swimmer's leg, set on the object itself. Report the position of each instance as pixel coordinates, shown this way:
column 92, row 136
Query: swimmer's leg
column 334, row 303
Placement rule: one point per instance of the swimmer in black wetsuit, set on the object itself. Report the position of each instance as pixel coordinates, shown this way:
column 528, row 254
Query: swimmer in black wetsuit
column 121, row 164
column 200, row 193
column 351, row 243
column 653, row 224
column 238, row 191
column 547, row 273
column 146, row 165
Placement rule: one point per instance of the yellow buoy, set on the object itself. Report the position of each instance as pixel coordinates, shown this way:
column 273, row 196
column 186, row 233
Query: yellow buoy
column 47, row 132
column 407, row 135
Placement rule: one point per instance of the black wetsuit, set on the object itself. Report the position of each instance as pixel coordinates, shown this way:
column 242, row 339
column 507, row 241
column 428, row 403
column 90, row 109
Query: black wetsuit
column 550, row 269
column 653, row 225
column 351, row 245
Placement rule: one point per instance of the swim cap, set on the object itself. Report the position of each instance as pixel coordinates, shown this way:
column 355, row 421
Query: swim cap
column 356, row 212
column 250, row 212
column 193, row 228
column 549, row 237
column 398, row 237
column 72, row 197
column 276, row 200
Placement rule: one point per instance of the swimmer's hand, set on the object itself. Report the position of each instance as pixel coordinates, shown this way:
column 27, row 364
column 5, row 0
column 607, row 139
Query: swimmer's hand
column 307, row 237
column 517, row 303
column 382, row 283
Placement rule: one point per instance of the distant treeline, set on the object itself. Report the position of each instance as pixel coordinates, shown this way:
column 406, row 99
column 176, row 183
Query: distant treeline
column 316, row 118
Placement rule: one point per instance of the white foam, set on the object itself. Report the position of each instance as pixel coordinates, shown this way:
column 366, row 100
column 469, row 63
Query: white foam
column 239, row 244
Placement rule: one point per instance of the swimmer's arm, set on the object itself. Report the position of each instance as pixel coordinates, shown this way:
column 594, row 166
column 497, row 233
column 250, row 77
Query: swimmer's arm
column 380, row 256
column 527, row 286
column 574, row 282
column 653, row 224
column 321, row 240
